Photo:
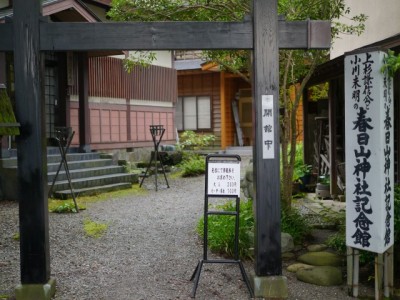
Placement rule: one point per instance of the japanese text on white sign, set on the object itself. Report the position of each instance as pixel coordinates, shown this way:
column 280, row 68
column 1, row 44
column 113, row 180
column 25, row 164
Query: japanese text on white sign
column 268, row 126
column 369, row 153
column 223, row 178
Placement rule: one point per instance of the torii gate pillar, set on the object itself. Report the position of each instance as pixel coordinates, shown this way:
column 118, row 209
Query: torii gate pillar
column 28, row 36
column 268, row 280
column 32, row 160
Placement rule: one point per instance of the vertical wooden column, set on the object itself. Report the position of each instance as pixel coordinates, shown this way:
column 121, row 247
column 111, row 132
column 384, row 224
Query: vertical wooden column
column 84, row 115
column 266, row 82
column 333, row 98
column 32, row 161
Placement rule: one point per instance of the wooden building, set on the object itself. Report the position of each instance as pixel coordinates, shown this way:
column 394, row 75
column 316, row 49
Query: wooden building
column 91, row 92
column 217, row 91
column 326, row 119
column 225, row 92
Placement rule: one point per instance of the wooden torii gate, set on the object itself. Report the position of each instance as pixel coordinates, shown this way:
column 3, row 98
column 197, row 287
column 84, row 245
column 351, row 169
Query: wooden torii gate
column 28, row 34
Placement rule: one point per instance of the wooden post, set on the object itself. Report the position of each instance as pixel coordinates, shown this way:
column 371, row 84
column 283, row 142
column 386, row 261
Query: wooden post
column 83, row 79
column 266, row 82
column 32, row 163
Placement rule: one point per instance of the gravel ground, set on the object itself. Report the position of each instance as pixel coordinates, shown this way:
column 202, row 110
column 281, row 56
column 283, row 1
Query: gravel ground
column 149, row 251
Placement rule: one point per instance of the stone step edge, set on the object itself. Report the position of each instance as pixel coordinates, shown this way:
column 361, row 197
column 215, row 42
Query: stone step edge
column 66, row 194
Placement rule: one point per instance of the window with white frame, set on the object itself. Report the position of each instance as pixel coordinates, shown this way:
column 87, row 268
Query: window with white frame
column 193, row 113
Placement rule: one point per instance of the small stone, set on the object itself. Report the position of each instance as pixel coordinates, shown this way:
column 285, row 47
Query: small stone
column 298, row 266
column 287, row 243
column 323, row 276
column 317, row 247
column 321, row 259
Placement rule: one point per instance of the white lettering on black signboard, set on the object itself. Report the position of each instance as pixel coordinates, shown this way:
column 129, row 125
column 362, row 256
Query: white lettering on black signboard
column 223, row 178
column 268, row 126
column 369, row 153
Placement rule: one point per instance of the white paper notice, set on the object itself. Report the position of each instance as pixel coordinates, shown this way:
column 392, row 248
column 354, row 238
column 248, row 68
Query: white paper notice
column 223, row 178
column 268, row 126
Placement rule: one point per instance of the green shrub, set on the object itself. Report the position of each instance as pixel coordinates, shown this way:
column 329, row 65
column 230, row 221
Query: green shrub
column 66, row 207
column 297, row 225
column 171, row 158
column 191, row 140
column 221, row 230
column 193, row 165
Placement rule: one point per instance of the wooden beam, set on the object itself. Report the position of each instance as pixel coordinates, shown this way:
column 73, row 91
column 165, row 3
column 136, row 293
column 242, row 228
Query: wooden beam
column 177, row 35
column 146, row 36
column 31, row 144
column 75, row 36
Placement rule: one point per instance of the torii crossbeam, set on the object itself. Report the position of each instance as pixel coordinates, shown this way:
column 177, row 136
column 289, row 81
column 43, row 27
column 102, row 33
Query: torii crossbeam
column 28, row 34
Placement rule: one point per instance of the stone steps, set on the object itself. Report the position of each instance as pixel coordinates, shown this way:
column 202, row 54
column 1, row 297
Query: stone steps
column 66, row 194
column 91, row 173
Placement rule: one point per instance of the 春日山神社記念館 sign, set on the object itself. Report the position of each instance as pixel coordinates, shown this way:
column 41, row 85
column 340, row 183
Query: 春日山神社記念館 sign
column 369, row 153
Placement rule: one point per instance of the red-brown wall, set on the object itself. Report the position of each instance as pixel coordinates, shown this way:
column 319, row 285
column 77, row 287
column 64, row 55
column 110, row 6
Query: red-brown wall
column 115, row 122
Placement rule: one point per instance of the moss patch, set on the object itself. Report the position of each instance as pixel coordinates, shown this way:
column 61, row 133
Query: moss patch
column 94, row 229
column 83, row 201
column 7, row 114
column 16, row 236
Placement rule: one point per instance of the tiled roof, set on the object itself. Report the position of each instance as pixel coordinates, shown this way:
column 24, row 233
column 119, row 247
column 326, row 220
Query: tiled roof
column 191, row 64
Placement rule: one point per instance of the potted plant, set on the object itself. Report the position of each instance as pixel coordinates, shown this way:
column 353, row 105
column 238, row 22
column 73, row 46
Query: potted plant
column 302, row 177
column 323, row 186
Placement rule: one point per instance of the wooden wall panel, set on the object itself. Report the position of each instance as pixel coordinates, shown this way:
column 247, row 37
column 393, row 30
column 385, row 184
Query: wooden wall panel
column 204, row 84
column 75, row 124
column 114, row 126
column 141, row 134
column 105, row 126
column 108, row 79
column 95, row 132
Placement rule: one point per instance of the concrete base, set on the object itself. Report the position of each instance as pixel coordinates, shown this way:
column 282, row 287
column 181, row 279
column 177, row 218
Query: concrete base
column 270, row 287
column 36, row 291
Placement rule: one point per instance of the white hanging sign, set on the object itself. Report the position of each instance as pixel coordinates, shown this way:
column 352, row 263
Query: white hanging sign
column 223, row 178
column 268, row 126
column 369, row 153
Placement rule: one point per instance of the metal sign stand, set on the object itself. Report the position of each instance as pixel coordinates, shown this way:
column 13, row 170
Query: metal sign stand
column 225, row 183
column 64, row 139
column 157, row 132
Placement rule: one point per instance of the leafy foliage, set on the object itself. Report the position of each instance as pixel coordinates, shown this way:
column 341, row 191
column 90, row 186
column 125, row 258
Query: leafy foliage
column 391, row 63
column 7, row 114
column 300, row 168
column 221, row 230
column 193, row 165
column 294, row 223
column 65, row 207
column 296, row 66
column 191, row 140
column 138, row 59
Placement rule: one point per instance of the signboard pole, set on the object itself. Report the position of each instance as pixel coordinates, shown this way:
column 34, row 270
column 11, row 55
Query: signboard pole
column 222, row 181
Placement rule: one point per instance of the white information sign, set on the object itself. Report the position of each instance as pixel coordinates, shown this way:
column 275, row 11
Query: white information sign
column 223, row 178
column 268, row 126
column 369, row 153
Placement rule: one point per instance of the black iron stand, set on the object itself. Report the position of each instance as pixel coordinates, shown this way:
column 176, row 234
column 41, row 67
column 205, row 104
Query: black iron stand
column 64, row 139
column 157, row 132
column 205, row 260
